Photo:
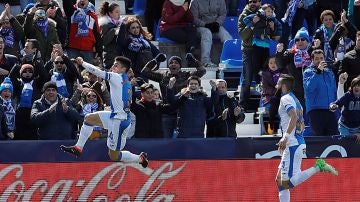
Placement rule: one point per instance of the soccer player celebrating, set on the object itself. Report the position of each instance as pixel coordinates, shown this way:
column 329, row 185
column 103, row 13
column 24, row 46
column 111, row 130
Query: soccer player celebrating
column 292, row 145
column 117, row 121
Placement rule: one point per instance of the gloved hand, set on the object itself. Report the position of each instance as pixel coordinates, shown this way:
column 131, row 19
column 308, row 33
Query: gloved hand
column 161, row 57
column 214, row 27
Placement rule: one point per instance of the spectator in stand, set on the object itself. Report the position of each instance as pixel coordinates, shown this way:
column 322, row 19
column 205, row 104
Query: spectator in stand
column 54, row 12
column 7, row 61
column 177, row 23
column 62, row 71
column 6, row 92
column 269, row 94
column 226, row 114
column 38, row 26
column 109, row 23
column 153, row 14
column 3, row 126
column 84, row 32
column 11, row 31
column 298, row 11
column 280, row 9
column 54, row 115
column 349, row 123
column 337, row 6
column 193, row 112
column 163, row 78
column 351, row 61
column 354, row 13
column 149, row 113
column 296, row 60
column 320, row 91
column 323, row 34
column 250, row 53
column 31, row 55
column 137, row 45
column 232, row 6
column 27, row 89
column 209, row 16
column 15, row 5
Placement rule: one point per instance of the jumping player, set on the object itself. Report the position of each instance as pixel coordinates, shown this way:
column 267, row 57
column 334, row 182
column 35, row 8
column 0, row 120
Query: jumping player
column 292, row 145
column 117, row 121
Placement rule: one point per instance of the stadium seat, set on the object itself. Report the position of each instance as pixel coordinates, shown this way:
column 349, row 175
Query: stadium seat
column 139, row 7
column 231, row 25
column 159, row 38
column 272, row 49
column 231, row 56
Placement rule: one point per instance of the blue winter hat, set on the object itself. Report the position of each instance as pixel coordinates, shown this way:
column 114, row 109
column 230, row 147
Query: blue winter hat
column 303, row 33
column 6, row 84
column 28, row 7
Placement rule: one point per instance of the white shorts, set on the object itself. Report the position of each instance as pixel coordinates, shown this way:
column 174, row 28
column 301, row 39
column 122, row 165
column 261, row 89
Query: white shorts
column 291, row 159
column 117, row 130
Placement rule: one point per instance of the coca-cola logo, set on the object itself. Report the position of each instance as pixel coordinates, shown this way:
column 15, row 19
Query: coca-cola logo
column 111, row 179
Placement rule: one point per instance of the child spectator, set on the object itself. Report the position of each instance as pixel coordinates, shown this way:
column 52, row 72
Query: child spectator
column 6, row 91
column 266, row 26
column 349, row 124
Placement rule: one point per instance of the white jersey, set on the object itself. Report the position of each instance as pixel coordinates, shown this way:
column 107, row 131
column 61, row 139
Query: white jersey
column 120, row 90
column 289, row 102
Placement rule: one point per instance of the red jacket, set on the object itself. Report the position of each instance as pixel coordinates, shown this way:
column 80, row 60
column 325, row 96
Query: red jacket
column 174, row 16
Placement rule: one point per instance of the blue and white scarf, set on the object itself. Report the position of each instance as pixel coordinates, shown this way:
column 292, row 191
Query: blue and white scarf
column 80, row 16
column 345, row 43
column 137, row 43
column 8, row 35
column 58, row 78
column 301, row 57
column 328, row 52
column 291, row 11
column 10, row 114
column 43, row 25
column 89, row 108
column 26, row 95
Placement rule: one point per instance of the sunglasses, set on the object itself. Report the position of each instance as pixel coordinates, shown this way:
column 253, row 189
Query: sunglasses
column 91, row 95
column 135, row 27
column 40, row 14
column 59, row 62
column 300, row 39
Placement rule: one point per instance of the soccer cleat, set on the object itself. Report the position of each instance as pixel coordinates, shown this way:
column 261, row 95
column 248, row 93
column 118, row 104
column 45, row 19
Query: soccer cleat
column 143, row 159
column 71, row 150
column 325, row 167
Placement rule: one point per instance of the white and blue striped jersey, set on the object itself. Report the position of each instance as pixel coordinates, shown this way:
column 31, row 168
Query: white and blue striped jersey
column 289, row 102
column 120, row 90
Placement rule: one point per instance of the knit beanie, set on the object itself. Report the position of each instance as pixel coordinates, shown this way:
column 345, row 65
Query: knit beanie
column 26, row 66
column 303, row 33
column 177, row 2
column 177, row 58
column 6, row 84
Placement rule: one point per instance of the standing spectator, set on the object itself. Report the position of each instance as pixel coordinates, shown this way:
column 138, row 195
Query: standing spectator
column 153, row 14
column 62, row 71
column 351, row 62
column 11, row 31
column 7, row 61
column 296, row 60
column 324, row 33
column 177, row 23
column 53, row 115
column 354, row 13
column 226, row 115
column 337, row 6
column 193, row 112
column 149, row 113
column 137, row 45
column 251, row 65
column 349, row 123
column 320, row 91
column 209, row 16
column 109, row 23
column 38, row 26
column 6, row 92
column 31, row 55
column 84, row 32
column 163, row 78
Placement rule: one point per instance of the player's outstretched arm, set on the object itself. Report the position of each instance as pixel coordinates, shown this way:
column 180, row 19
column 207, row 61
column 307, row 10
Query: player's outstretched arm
column 91, row 68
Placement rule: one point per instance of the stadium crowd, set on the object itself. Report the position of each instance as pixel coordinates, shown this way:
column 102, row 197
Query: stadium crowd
column 46, row 93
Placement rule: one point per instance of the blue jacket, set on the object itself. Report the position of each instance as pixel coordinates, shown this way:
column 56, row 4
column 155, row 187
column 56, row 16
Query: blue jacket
column 319, row 88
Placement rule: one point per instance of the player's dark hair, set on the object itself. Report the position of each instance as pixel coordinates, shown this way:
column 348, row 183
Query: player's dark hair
column 194, row 78
column 288, row 81
column 124, row 61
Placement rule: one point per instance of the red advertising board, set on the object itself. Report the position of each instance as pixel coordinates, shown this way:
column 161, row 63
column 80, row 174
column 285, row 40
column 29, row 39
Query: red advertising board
column 195, row 180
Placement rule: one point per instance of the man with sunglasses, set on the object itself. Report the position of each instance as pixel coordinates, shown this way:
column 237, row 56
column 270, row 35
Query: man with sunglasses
column 250, row 55
column 117, row 121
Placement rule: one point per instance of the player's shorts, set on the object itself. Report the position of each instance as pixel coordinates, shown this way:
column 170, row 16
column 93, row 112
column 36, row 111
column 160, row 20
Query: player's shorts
column 117, row 130
column 291, row 159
